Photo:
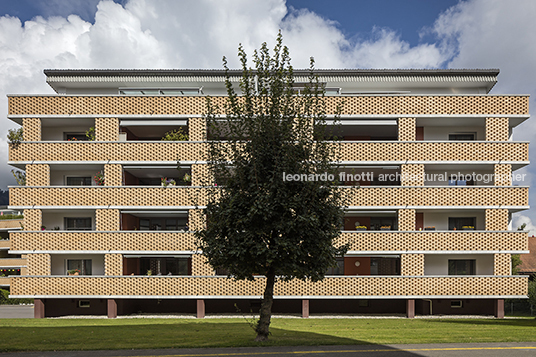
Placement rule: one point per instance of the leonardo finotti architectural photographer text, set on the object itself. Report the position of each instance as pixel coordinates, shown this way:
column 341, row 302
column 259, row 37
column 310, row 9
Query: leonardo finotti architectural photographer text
column 392, row 177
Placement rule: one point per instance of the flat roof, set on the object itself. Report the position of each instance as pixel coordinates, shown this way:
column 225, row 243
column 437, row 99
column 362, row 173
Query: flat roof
column 234, row 72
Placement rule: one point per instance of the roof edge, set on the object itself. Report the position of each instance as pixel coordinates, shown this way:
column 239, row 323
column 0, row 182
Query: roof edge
column 235, row 72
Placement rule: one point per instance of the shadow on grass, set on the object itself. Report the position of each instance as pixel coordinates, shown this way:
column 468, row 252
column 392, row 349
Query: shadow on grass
column 122, row 334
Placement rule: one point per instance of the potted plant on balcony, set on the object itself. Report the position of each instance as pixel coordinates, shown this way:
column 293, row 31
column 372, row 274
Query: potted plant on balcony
column 468, row 228
column 73, row 272
column 385, row 228
column 361, row 228
column 164, row 181
column 429, row 228
column 99, row 178
column 187, row 178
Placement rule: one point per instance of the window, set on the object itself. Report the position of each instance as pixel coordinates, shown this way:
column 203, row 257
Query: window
column 384, row 266
column 78, row 181
column 165, row 266
column 460, row 223
column 460, row 181
column 75, row 136
column 84, row 303
column 166, row 224
column 456, row 304
column 82, row 265
column 462, row 267
column 338, row 269
column 462, row 136
column 78, row 224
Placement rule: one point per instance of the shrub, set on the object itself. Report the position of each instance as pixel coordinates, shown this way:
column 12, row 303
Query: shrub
column 175, row 135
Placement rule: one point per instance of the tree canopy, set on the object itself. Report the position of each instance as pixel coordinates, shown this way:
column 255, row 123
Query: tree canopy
column 275, row 209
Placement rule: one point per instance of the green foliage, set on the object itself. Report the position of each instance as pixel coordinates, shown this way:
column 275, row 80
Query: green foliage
column 516, row 262
column 11, row 216
column 15, row 136
column 259, row 223
column 90, row 134
column 5, row 300
column 175, row 135
column 532, row 292
column 20, row 177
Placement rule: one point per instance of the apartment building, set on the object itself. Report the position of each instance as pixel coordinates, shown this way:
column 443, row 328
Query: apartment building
column 109, row 216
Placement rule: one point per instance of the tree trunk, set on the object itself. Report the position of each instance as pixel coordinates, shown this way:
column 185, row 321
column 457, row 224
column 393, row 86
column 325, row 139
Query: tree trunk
column 263, row 326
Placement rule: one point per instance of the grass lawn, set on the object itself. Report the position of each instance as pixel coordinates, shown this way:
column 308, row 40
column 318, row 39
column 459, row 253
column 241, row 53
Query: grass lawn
column 80, row 334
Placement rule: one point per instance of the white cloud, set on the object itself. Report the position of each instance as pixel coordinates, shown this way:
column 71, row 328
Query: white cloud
column 497, row 34
column 196, row 34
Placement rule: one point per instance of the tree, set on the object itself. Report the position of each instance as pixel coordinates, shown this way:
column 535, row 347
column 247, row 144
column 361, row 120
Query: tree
column 258, row 221
column 516, row 258
column 532, row 292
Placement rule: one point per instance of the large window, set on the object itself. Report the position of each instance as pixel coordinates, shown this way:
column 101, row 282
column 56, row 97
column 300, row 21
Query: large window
column 385, row 266
column 82, row 266
column 462, row 136
column 460, row 181
column 78, row 181
column 166, row 224
column 78, row 224
column 462, row 223
column 338, row 269
column 462, row 267
column 164, row 266
column 75, row 136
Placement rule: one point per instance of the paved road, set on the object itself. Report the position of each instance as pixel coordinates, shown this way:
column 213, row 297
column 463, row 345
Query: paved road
column 16, row 311
column 429, row 350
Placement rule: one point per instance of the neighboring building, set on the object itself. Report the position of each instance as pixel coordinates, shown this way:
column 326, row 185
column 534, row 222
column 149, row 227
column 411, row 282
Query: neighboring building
column 433, row 244
column 528, row 261
column 10, row 264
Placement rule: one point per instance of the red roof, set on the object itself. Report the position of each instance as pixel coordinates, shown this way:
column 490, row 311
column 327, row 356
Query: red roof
column 528, row 261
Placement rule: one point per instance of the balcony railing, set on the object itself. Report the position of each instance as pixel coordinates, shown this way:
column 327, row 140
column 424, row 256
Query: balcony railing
column 10, row 223
column 165, row 151
column 13, row 262
column 147, row 241
column 423, row 241
column 177, row 196
column 214, row 287
column 107, row 242
column 37, row 105
column 5, row 281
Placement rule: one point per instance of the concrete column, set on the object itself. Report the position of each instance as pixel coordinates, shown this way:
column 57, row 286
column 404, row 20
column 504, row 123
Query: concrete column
column 499, row 308
column 200, row 308
column 410, row 308
column 112, row 309
column 305, row 308
column 39, row 308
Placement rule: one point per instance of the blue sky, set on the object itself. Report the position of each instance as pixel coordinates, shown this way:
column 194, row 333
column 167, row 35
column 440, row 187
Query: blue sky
column 38, row 34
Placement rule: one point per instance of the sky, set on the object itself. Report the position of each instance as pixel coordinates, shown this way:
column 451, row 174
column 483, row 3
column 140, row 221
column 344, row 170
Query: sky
column 38, row 34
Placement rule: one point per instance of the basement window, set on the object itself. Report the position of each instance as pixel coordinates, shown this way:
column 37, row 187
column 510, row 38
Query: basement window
column 456, row 304
column 84, row 303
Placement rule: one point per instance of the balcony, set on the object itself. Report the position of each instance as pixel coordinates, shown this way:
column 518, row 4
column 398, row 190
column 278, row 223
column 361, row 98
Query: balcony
column 109, row 197
column 370, row 241
column 176, row 196
column 103, row 242
column 38, row 105
column 5, row 244
column 10, row 224
column 394, row 152
column 218, row 287
column 12, row 262
column 419, row 241
column 5, row 281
